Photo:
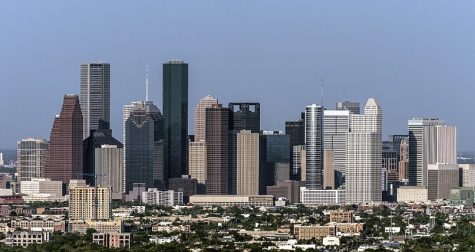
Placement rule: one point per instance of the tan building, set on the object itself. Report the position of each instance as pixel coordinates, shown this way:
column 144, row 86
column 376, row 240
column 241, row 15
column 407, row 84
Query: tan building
column 406, row 194
column 403, row 165
column 341, row 216
column 320, row 232
column 467, row 171
column 112, row 240
column 328, row 169
column 49, row 225
column 197, row 161
column 114, row 226
column 200, row 116
column 232, row 200
column 247, row 175
column 441, row 178
column 82, row 202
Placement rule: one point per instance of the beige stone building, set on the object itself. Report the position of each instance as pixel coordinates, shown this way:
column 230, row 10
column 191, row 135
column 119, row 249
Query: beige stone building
column 83, row 199
column 247, row 176
column 328, row 169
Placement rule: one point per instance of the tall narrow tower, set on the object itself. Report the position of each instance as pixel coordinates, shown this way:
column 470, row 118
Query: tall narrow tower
column 314, row 146
column 95, row 96
column 364, row 155
column 175, row 112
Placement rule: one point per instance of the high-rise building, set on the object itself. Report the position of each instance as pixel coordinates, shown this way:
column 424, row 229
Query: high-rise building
column 88, row 202
column 364, row 157
column 467, row 175
column 247, row 176
column 2, row 162
column 31, row 158
column 299, row 160
column 109, row 167
column 200, row 117
column 175, row 112
column 403, row 165
column 64, row 158
column 274, row 154
column 314, row 146
column 336, row 125
column 95, row 96
column 441, row 178
column 103, row 160
column 197, row 163
column 296, row 132
column 328, row 169
column 143, row 148
column 390, row 160
column 243, row 116
column 430, row 142
column 353, row 107
column 217, row 148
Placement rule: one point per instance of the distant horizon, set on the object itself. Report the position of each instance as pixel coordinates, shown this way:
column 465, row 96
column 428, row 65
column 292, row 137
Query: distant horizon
column 417, row 63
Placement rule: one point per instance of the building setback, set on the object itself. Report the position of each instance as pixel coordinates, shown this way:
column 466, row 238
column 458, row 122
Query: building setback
column 296, row 132
column 143, row 149
column 175, row 111
column 95, row 96
column 364, row 156
column 64, row 158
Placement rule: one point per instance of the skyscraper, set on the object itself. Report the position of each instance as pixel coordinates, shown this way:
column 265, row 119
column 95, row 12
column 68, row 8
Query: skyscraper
column 200, row 116
column 363, row 166
column 247, row 163
column 103, row 158
column 336, row 125
column 95, row 96
column 328, row 169
column 64, row 158
column 217, row 148
column 31, row 158
column 353, row 107
column 430, row 142
column 197, row 163
column 296, row 132
column 143, row 134
column 175, row 112
column 243, row 116
column 314, row 146
column 403, row 165
column 274, row 154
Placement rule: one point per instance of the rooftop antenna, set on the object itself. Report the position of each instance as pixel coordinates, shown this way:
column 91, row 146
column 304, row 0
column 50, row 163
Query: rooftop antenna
column 146, row 82
column 321, row 92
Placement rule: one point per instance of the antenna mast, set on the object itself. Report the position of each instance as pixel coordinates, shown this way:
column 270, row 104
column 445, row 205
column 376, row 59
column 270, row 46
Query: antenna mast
column 146, row 82
column 321, row 92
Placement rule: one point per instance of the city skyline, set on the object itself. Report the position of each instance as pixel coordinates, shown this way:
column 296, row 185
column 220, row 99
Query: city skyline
column 356, row 58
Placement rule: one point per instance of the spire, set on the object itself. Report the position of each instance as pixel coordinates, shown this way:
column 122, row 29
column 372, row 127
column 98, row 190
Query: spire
column 146, row 82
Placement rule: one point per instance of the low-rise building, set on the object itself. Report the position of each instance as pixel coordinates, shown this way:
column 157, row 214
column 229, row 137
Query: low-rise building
column 112, row 240
column 232, row 200
column 153, row 196
column 37, row 224
column 115, row 226
column 462, row 196
column 341, row 216
column 26, row 238
column 331, row 229
column 322, row 197
column 406, row 194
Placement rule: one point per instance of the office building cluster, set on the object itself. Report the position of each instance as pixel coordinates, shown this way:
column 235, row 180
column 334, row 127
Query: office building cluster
column 328, row 156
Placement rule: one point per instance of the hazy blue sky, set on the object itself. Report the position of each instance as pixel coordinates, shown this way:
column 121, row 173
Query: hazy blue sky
column 416, row 57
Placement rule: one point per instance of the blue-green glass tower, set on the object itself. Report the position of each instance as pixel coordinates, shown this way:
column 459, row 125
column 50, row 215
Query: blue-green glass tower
column 175, row 112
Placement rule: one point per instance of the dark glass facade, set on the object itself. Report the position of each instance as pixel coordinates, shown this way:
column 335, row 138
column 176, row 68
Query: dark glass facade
column 142, row 151
column 274, row 153
column 296, row 132
column 175, row 111
column 97, row 138
column 243, row 116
